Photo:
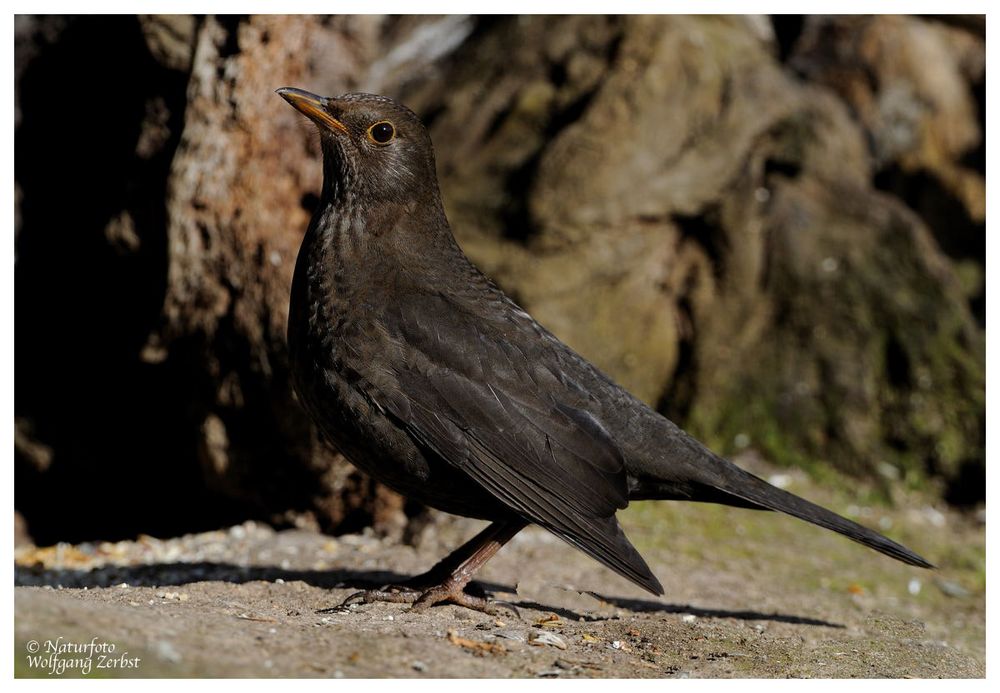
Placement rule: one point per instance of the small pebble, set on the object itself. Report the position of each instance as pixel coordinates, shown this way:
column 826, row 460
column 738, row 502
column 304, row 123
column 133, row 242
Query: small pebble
column 952, row 589
column 935, row 516
column 419, row 666
column 689, row 618
column 780, row 480
column 914, row 586
column 166, row 650
column 889, row 471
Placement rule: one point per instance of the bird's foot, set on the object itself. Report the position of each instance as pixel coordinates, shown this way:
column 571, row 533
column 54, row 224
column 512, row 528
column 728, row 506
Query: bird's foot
column 442, row 594
column 398, row 594
column 422, row 600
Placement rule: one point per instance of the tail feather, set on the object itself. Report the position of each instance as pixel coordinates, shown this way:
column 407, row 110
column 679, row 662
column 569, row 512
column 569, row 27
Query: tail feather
column 687, row 470
column 747, row 487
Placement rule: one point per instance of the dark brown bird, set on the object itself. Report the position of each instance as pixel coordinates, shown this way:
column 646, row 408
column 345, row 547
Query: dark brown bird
column 427, row 377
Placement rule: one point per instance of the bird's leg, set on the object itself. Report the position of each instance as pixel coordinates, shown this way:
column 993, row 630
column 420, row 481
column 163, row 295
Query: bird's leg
column 498, row 533
column 446, row 581
column 459, row 567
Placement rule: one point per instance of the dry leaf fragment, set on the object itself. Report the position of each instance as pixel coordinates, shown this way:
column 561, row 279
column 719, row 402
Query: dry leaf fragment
column 547, row 638
column 476, row 646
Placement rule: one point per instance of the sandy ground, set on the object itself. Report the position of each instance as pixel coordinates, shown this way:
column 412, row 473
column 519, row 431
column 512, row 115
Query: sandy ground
column 748, row 595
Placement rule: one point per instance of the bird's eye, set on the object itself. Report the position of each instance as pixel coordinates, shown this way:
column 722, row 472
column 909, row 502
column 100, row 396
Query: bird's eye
column 381, row 132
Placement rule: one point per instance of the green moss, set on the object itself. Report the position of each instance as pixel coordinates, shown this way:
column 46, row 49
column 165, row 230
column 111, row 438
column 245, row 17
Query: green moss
column 872, row 361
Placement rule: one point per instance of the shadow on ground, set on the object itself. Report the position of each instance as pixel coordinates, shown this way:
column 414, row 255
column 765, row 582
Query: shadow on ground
column 181, row 573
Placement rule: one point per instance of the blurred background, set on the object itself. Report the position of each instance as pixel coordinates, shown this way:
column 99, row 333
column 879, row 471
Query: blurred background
column 770, row 228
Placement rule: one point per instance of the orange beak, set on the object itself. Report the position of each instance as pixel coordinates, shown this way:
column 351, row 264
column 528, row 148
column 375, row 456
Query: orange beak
column 311, row 106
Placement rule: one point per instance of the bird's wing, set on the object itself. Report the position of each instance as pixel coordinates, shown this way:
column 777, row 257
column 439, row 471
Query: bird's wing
column 489, row 398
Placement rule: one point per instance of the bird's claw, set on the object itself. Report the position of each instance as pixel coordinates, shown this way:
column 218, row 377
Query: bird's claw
column 398, row 594
column 420, row 601
column 443, row 595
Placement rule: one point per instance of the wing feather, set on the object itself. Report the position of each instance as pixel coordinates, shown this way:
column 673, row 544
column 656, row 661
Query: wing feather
column 481, row 409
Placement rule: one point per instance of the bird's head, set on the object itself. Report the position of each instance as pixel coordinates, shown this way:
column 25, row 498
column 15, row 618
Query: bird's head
column 372, row 147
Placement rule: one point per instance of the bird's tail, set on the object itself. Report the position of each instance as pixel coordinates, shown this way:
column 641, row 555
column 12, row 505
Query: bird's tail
column 720, row 481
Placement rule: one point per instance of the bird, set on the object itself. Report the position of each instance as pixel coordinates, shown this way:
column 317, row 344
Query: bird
column 425, row 375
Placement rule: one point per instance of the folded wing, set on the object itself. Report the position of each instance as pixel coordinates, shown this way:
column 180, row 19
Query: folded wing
column 485, row 397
